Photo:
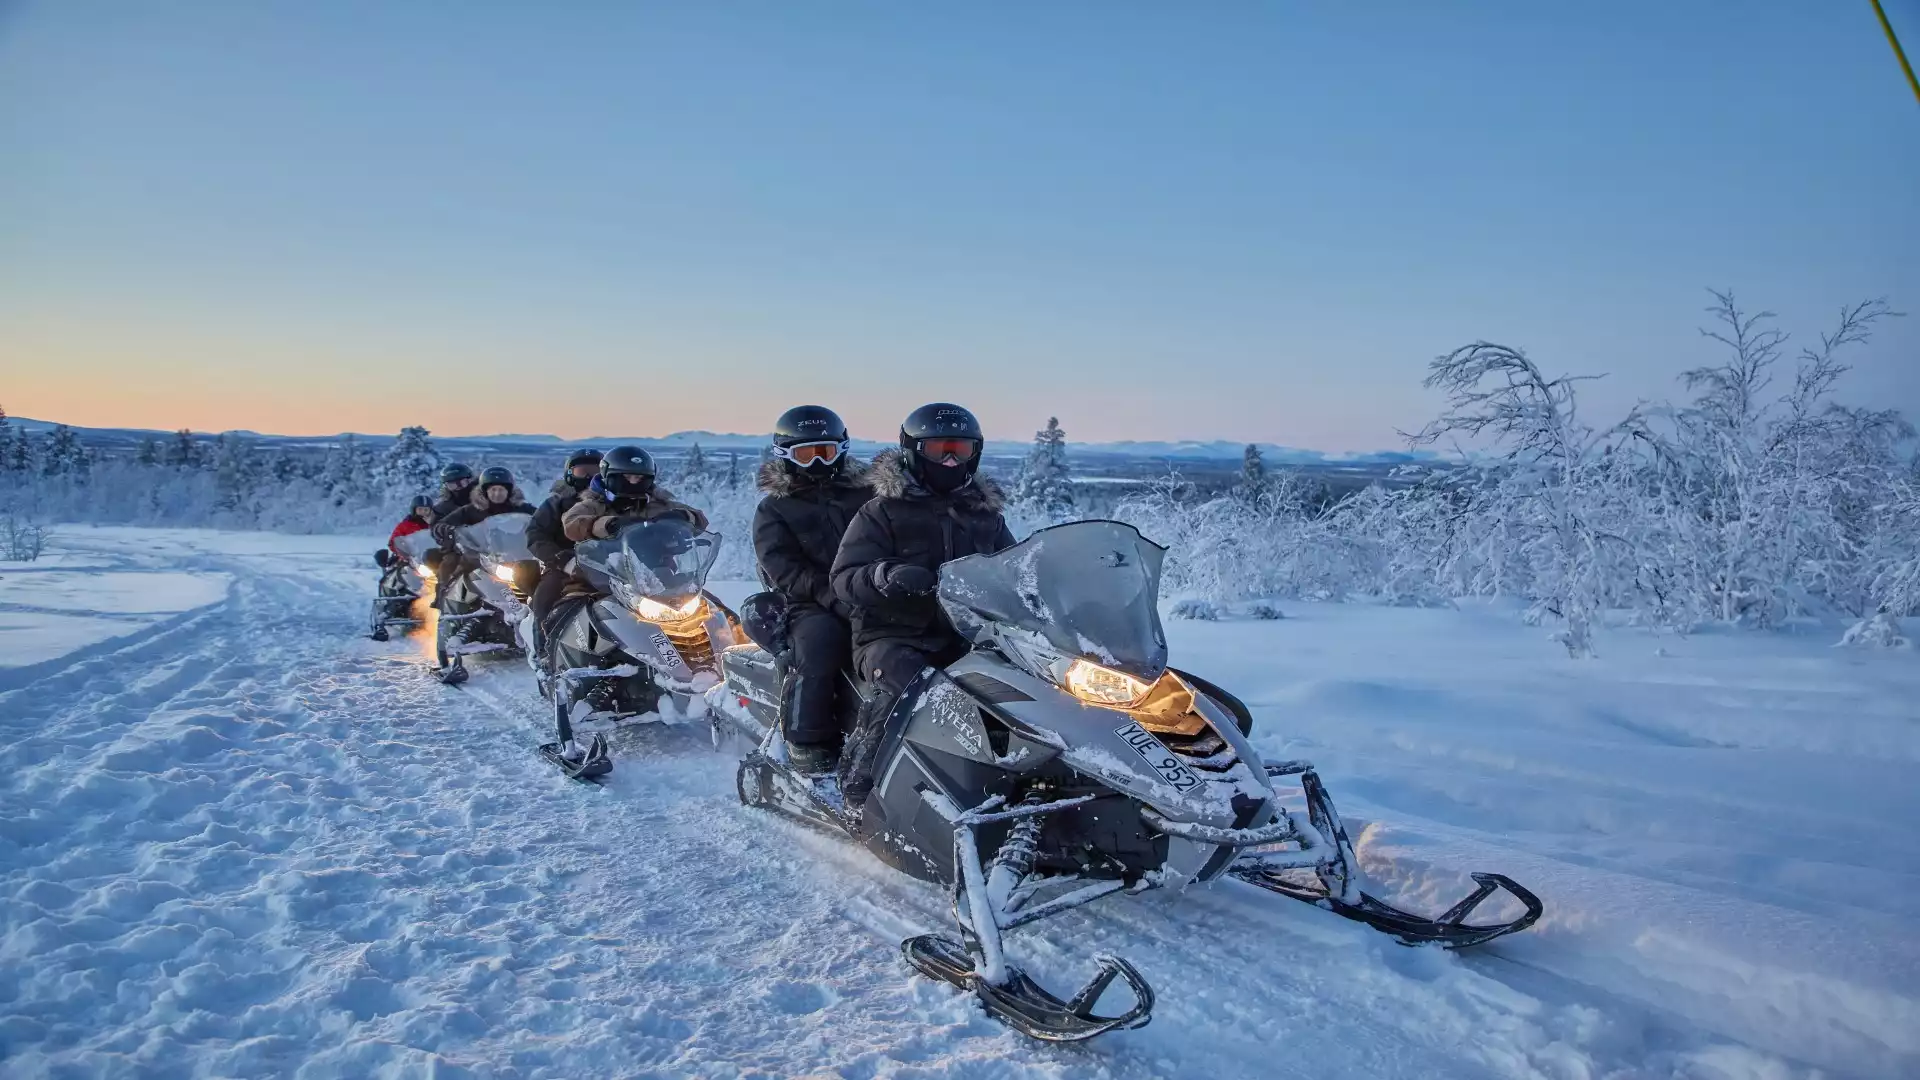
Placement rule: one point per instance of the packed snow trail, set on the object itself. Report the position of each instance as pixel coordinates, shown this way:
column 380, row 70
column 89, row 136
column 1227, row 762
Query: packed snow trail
column 256, row 844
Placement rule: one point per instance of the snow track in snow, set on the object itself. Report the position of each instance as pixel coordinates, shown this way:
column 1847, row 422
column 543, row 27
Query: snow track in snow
column 255, row 844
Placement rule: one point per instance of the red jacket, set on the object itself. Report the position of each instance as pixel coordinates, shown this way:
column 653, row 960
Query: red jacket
column 407, row 527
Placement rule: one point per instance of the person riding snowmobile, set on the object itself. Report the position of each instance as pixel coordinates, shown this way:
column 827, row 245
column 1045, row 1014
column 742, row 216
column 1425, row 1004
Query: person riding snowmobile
column 495, row 493
column 419, row 517
column 930, row 507
column 813, row 488
column 625, row 490
column 456, row 487
column 549, row 543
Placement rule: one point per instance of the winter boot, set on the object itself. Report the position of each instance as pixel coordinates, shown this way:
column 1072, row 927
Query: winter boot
column 812, row 760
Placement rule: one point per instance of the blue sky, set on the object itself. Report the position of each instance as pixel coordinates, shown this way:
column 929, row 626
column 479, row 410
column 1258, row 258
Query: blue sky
column 1234, row 220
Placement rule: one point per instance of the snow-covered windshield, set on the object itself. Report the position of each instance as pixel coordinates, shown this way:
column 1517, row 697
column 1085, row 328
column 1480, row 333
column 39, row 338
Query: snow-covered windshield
column 415, row 546
column 665, row 559
column 1090, row 588
column 504, row 536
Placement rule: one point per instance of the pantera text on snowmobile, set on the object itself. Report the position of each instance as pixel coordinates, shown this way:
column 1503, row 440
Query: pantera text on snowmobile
column 1063, row 761
column 480, row 608
column 647, row 642
column 402, row 581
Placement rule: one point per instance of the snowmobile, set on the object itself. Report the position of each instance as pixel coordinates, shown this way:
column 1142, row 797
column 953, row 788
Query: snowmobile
column 480, row 608
column 402, row 580
column 1062, row 761
column 646, row 642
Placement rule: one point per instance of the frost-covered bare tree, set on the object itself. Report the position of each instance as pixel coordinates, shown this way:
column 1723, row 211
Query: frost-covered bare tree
column 1555, row 497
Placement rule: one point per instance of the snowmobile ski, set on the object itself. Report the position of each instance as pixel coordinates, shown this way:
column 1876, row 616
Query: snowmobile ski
column 1025, row 1005
column 1450, row 930
column 590, row 768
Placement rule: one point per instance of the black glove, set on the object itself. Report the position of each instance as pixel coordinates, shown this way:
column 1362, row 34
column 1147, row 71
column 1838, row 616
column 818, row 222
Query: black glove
column 906, row 579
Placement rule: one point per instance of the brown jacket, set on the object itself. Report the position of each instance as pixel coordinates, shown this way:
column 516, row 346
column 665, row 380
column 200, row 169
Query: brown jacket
column 593, row 516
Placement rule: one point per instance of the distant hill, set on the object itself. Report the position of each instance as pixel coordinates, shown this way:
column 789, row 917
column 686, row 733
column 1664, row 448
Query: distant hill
column 1217, row 450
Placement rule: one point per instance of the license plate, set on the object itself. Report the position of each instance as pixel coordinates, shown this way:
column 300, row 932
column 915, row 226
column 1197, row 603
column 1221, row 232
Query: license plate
column 1158, row 757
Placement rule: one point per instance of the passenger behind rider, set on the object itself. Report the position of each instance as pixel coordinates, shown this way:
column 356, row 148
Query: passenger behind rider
column 549, row 543
column 495, row 493
column 813, row 489
column 930, row 506
column 419, row 518
column 456, row 487
column 624, row 492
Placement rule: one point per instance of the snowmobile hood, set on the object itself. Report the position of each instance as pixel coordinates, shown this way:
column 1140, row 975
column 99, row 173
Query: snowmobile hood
column 665, row 559
column 1090, row 589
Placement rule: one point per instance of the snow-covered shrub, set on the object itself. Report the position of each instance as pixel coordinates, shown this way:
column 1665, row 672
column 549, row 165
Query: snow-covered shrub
column 1265, row 609
column 21, row 538
column 1196, row 608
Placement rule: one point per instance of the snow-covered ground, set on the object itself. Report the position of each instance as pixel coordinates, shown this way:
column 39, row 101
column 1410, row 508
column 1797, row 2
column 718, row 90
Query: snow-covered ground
column 239, row 839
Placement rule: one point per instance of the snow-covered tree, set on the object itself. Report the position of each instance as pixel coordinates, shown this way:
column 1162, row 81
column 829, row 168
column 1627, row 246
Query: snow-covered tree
column 694, row 469
column 412, row 464
column 147, row 453
column 184, row 451
column 733, row 470
column 347, row 477
column 1046, row 482
column 1253, row 471
column 63, row 455
column 23, row 455
column 235, row 472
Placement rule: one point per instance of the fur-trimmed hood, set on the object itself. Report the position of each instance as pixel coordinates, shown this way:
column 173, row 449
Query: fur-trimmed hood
column 477, row 497
column 889, row 479
column 773, row 479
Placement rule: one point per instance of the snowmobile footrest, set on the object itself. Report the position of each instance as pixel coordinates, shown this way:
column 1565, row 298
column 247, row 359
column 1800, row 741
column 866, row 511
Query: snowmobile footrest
column 1450, row 930
column 1025, row 1005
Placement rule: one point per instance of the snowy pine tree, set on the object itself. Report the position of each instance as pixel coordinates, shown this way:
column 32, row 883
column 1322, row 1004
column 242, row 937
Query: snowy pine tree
column 347, row 477
column 695, row 467
column 1046, row 483
column 22, row 455
column 733, row 470
column 183, row 452
column 63, row 454
column 235, row 472
column 1253, row 472
column 412, row 464
column 147, row 454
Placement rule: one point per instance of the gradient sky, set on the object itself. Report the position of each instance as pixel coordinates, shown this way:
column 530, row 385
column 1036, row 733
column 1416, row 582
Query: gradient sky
column 1250, row 221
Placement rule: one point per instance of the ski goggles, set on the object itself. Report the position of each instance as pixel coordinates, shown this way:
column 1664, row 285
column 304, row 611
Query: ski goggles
column 940, row 449
column 629, row 483
column 809, row 453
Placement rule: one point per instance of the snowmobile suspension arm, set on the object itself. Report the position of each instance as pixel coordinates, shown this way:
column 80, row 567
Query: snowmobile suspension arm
column 1312, row 844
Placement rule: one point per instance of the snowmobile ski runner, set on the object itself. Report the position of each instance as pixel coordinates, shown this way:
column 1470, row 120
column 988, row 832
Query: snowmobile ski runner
column 593, row 763
column 1063, row 761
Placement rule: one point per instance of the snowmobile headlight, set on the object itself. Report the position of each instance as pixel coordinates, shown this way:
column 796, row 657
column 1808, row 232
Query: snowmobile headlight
column 655, row 611
column 1104, row 686
column 425, row 571
column 504, row 572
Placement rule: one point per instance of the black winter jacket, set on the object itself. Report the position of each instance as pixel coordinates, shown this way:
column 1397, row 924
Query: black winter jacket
column 906, row 523
column 797, row 530
column 545, row 538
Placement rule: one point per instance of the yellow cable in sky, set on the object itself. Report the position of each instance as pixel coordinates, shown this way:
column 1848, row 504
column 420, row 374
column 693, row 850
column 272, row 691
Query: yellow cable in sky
column 1897, row 50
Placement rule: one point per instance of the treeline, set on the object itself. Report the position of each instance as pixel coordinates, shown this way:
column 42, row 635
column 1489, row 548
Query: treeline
column 1756, row 500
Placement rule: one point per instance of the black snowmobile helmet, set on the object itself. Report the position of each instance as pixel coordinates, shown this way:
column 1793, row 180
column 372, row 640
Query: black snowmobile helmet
column 627, row 471
column 454, row 473
column 496, row 475
column 929, row 426
column 809, row 424
column 420, row 502
column 576, row 459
